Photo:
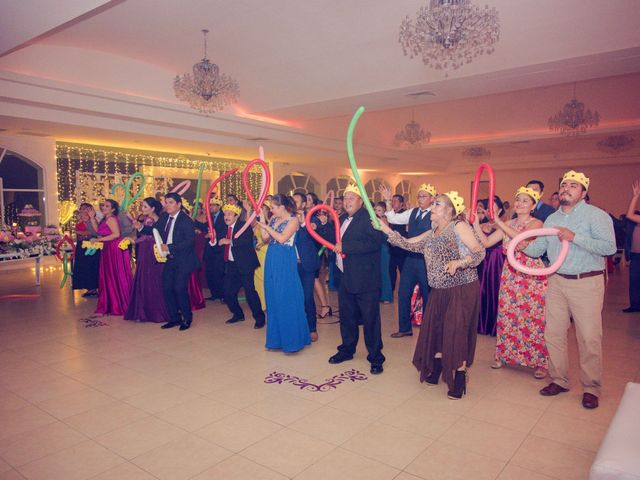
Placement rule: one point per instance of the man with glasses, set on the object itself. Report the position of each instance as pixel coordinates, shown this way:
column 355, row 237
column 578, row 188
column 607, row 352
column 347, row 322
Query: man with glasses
column 414, row 271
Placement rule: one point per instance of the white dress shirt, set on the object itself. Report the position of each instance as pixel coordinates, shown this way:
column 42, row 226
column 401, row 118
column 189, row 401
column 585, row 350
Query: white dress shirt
column 343, row 228
column 403, row 218
column 173, row 225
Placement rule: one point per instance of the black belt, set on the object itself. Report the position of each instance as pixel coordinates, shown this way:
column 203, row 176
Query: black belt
column 582, row 275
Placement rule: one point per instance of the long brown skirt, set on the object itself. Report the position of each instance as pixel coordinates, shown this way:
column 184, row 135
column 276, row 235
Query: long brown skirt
column 450, row 327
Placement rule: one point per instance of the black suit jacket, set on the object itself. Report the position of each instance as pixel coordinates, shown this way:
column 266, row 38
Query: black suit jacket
column 361, row 244
column 543, row 211
column 308, row 248
column 221, row 231
column 242, row 249
column 182, row 249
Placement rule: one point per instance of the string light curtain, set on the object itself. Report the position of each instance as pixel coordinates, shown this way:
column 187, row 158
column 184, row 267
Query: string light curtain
column 73, row 160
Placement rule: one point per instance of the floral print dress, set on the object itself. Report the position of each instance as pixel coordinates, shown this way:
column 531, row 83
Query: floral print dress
column 520, row 323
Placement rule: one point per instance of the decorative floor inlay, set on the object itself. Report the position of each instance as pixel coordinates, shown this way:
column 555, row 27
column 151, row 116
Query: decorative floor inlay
column 93, row 322
column 303, row 384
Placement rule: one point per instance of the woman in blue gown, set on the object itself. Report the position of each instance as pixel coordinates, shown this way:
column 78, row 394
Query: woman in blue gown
column 287, row 327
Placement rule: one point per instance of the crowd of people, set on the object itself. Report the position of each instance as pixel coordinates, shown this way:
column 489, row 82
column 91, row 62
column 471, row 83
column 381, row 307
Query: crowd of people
column 465, row 285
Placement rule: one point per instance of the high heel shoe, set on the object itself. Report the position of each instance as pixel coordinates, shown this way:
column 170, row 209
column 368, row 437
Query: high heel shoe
column 459, row 385
column 329, row 312
column 435, row 374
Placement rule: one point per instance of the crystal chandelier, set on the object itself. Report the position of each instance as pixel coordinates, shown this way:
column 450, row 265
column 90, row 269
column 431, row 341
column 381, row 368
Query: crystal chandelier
column 449, row 33
column 573, row 119
column 616, row 144
column 412, row 135
column 206, row 89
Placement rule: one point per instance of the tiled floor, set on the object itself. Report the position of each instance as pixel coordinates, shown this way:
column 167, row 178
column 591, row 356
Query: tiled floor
column 131, row 401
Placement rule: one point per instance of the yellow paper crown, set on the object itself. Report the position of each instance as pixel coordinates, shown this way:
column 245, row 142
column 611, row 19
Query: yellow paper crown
column 232, row 208
column 427, row 187
column 216, row 201
column 576, row 177
column 531, row 192
column 352, row 189
column 456, row 200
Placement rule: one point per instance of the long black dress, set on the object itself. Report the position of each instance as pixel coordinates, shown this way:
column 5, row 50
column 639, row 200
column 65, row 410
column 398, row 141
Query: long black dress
column 85, row 267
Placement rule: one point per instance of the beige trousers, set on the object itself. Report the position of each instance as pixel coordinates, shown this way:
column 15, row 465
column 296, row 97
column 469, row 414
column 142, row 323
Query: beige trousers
column 581, row 299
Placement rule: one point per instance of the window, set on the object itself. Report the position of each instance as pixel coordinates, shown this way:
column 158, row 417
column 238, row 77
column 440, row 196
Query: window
column 338, row 184
column 407, row 190
column 22, row 199
column 298, row 182
column 372, row 189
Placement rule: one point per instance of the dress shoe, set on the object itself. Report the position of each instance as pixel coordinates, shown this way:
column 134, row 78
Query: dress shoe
column 631, row 310
column 259, row 325
column 170, row 325
column 340, row 357
column 402, row 334
column 552, row 390
column 185, row 326
column 376, row 369
column 235, row 320
column 589, row 401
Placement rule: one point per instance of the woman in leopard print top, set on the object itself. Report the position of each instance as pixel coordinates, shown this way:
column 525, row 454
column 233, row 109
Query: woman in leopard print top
column 452, row 251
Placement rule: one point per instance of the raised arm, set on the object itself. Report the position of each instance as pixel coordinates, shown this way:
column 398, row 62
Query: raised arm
column 289, row 230
column 631, row 211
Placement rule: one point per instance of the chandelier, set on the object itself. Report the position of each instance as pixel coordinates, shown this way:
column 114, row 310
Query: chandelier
column 616, row 144
column 412, row 135
column 450, row 33
column 206, row 89
column 573, row 119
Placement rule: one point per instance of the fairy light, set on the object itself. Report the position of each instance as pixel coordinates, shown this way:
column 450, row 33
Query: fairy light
column 74, row 159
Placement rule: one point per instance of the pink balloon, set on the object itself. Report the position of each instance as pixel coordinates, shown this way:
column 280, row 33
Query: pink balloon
column 265, row 186
column 536, row 232
column 182, row 187
column 328, row 200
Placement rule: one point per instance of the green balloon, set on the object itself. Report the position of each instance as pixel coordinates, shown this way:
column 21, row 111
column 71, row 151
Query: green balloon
column 354, row 167
column 197, row 200
column 128, row 200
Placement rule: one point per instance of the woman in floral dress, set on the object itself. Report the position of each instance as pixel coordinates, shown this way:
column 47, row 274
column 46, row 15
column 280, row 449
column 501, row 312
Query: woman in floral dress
column 520, row 323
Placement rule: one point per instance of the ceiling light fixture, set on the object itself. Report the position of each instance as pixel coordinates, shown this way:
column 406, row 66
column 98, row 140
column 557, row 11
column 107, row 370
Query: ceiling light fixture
column 412, row 135
column 450, row 33
column 616, row 144
column 573, row 119
column 206, row 89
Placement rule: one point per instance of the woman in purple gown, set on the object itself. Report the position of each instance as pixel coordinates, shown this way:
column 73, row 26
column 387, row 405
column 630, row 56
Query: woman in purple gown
column 114, row 277
column 195, row 282
column 489, row 271
column 147, row 299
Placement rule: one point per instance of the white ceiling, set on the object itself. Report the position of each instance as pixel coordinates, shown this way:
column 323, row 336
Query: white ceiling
column 310, row 64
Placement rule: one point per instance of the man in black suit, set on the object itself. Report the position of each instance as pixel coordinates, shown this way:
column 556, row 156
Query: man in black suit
column 214, row 255
column 178, row 235
column 308, row 260
column 240, row 261
column 542, row 210
column 359, row 292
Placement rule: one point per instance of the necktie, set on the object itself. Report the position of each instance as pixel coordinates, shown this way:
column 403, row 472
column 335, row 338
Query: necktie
column 343, row 228
column 227, row 247
column 167, row 229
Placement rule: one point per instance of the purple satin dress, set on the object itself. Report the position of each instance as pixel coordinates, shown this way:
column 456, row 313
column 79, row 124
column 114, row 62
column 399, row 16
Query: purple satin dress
column 195, row 283
column 147, row 298
column 114, row 276
column 489, row 273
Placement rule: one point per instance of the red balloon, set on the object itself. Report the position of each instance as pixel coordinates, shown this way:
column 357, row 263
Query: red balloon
column 314, row 234
column 265, row 191
column 492, row 192
column 65, row 239
column 207, row 207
